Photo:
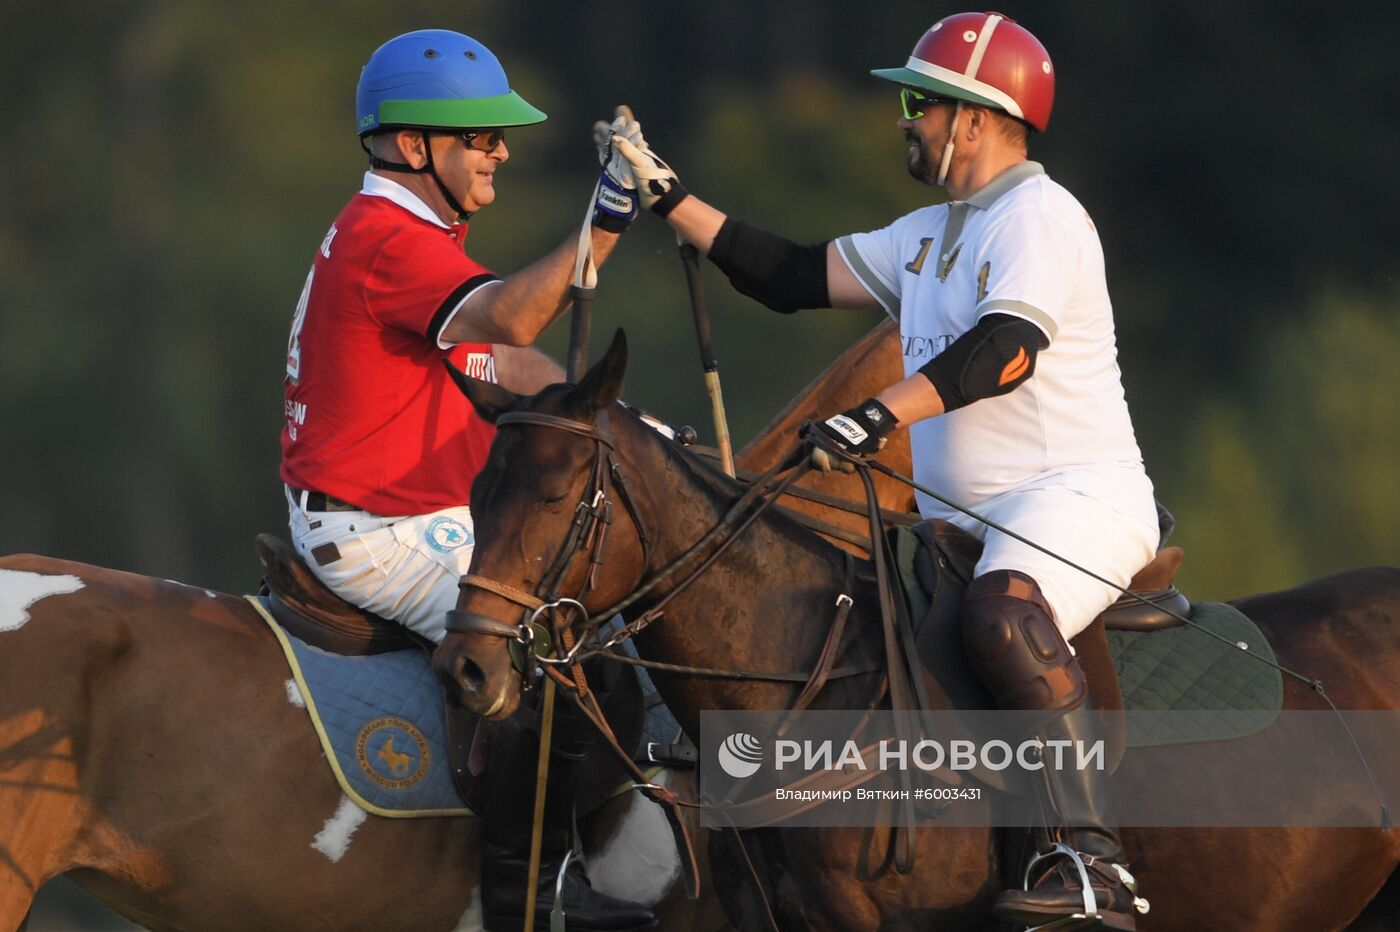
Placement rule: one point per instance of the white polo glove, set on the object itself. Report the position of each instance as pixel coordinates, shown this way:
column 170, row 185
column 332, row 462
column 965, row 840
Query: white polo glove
column 657, row 185
column 616, row 204
column 623, row 124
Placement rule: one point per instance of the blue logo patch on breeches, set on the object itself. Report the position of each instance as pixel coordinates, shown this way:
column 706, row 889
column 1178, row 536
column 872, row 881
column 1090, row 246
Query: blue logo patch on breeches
column 448, row 534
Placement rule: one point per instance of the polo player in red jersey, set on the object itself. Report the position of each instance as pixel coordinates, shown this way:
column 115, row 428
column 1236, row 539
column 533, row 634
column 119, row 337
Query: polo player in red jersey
column 379, row 449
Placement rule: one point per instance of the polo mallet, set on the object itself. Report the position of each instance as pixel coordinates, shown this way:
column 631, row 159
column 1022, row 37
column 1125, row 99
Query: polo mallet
column 584, row 287
column 541, row 779
column 690, row 259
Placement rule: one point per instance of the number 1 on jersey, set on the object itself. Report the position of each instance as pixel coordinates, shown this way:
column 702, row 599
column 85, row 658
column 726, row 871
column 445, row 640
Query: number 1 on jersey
column 916, row 265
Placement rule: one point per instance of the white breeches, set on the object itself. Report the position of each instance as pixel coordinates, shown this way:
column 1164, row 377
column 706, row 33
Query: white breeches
column 405, row 569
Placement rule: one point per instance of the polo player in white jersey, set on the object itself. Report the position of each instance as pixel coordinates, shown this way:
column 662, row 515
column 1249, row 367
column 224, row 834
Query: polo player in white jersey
column 1012, row 396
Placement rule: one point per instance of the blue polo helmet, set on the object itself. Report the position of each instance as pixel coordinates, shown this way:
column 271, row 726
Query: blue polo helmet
column 437, row 78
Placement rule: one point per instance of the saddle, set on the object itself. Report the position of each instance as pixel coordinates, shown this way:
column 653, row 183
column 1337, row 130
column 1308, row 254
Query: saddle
column 301, row 603
column 305, row 607
column 935, row 562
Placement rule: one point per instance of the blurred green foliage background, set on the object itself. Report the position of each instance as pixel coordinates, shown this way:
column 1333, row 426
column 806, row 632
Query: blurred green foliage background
column 170, row 166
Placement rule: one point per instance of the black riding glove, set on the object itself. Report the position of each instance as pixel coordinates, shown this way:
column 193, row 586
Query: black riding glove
column 862, row 429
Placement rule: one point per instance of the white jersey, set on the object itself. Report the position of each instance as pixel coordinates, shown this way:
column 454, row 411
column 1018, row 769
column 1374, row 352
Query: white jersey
column 1021, row 246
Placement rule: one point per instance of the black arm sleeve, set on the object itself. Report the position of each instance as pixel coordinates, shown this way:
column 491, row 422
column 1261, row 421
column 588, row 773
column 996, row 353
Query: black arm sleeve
column 990, row 359
column 774, row 271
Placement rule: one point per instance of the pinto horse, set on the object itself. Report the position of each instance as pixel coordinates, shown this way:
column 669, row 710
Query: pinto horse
column 766, row 602
column 149, row 751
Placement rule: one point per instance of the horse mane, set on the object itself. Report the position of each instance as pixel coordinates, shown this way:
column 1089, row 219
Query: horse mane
column 722, row 488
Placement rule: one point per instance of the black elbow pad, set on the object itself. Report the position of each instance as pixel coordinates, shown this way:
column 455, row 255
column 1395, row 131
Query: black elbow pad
column 991, row 359
column 774, row 271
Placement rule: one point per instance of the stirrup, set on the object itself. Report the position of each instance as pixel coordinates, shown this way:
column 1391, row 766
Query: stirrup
column 556, row 914
column 1091, row 905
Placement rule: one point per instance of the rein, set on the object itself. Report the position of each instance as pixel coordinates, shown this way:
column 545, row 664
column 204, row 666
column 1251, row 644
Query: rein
column 594, row 511
column 593, row 514
column 903, row 684
column 587, row 534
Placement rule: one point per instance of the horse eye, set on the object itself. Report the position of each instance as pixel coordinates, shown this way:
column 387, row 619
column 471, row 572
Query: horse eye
column 555, row 499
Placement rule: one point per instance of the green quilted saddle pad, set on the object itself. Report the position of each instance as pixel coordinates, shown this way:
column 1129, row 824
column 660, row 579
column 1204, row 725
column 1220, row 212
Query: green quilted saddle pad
column 1224, row 685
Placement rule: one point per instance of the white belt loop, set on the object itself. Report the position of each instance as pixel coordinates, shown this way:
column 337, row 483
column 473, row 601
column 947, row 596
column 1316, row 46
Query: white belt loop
column 299, row 499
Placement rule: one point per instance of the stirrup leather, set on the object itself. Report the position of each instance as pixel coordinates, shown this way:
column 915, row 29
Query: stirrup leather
column 1091, row 905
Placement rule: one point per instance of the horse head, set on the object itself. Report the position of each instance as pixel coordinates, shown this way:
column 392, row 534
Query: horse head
column 547, row 508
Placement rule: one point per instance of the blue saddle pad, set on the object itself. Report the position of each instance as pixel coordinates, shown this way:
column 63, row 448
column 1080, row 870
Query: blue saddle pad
column 381, row 725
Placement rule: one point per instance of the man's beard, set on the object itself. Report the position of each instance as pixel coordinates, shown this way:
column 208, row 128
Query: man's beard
column 921, row 167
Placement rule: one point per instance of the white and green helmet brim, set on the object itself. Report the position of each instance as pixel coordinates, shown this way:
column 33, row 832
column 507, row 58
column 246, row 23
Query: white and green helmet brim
column 937, row 88
column 509, row 109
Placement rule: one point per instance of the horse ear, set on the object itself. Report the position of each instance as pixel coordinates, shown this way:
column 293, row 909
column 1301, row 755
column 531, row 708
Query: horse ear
column 602, row 384
column 489, row 399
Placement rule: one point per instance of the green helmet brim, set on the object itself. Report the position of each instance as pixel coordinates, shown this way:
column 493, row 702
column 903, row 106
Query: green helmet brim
column 509, row 109
column 939, row 88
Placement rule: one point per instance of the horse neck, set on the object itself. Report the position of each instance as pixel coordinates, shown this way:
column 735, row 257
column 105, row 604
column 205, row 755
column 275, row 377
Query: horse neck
column 688, row 496
column 765, row 605
column 861, row 371
column 868, row 366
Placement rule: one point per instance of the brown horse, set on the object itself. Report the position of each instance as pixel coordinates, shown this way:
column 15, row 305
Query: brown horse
column 766, row 603
column 149, row 750
column 871, row 364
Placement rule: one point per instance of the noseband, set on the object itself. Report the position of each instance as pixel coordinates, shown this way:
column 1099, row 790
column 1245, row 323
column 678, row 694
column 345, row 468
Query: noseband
column 587, row 534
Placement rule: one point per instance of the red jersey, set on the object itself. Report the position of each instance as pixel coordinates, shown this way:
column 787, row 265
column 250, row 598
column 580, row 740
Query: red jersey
column 372, row 418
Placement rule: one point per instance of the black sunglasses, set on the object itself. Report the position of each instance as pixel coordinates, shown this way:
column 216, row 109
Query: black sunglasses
column 483, row 140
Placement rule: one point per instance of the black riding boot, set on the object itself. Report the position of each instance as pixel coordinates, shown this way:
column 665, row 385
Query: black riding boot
column 1019, row 654
column 507, row 821
column 1074, row 802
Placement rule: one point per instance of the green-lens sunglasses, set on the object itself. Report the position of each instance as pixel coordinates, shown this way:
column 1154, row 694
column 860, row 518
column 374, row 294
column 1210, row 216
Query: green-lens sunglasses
column 916, row 102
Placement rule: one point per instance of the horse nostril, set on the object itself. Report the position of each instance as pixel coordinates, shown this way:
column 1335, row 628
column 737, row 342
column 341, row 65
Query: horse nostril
column 470, row 675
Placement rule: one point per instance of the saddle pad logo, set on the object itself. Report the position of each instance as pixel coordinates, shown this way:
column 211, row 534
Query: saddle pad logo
column 393, row 753
column 447, row 534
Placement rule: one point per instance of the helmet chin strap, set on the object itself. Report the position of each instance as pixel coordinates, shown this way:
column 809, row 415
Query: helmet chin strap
column 428, row 168
column 948, row 149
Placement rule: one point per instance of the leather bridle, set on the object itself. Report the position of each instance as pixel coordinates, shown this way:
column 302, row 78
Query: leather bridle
column 587, row 534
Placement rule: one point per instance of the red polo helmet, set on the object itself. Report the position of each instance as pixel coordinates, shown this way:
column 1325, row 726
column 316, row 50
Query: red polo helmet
column 982, row 58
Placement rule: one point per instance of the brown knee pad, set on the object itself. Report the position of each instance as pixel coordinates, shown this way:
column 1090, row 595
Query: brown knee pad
column 1015, row 648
